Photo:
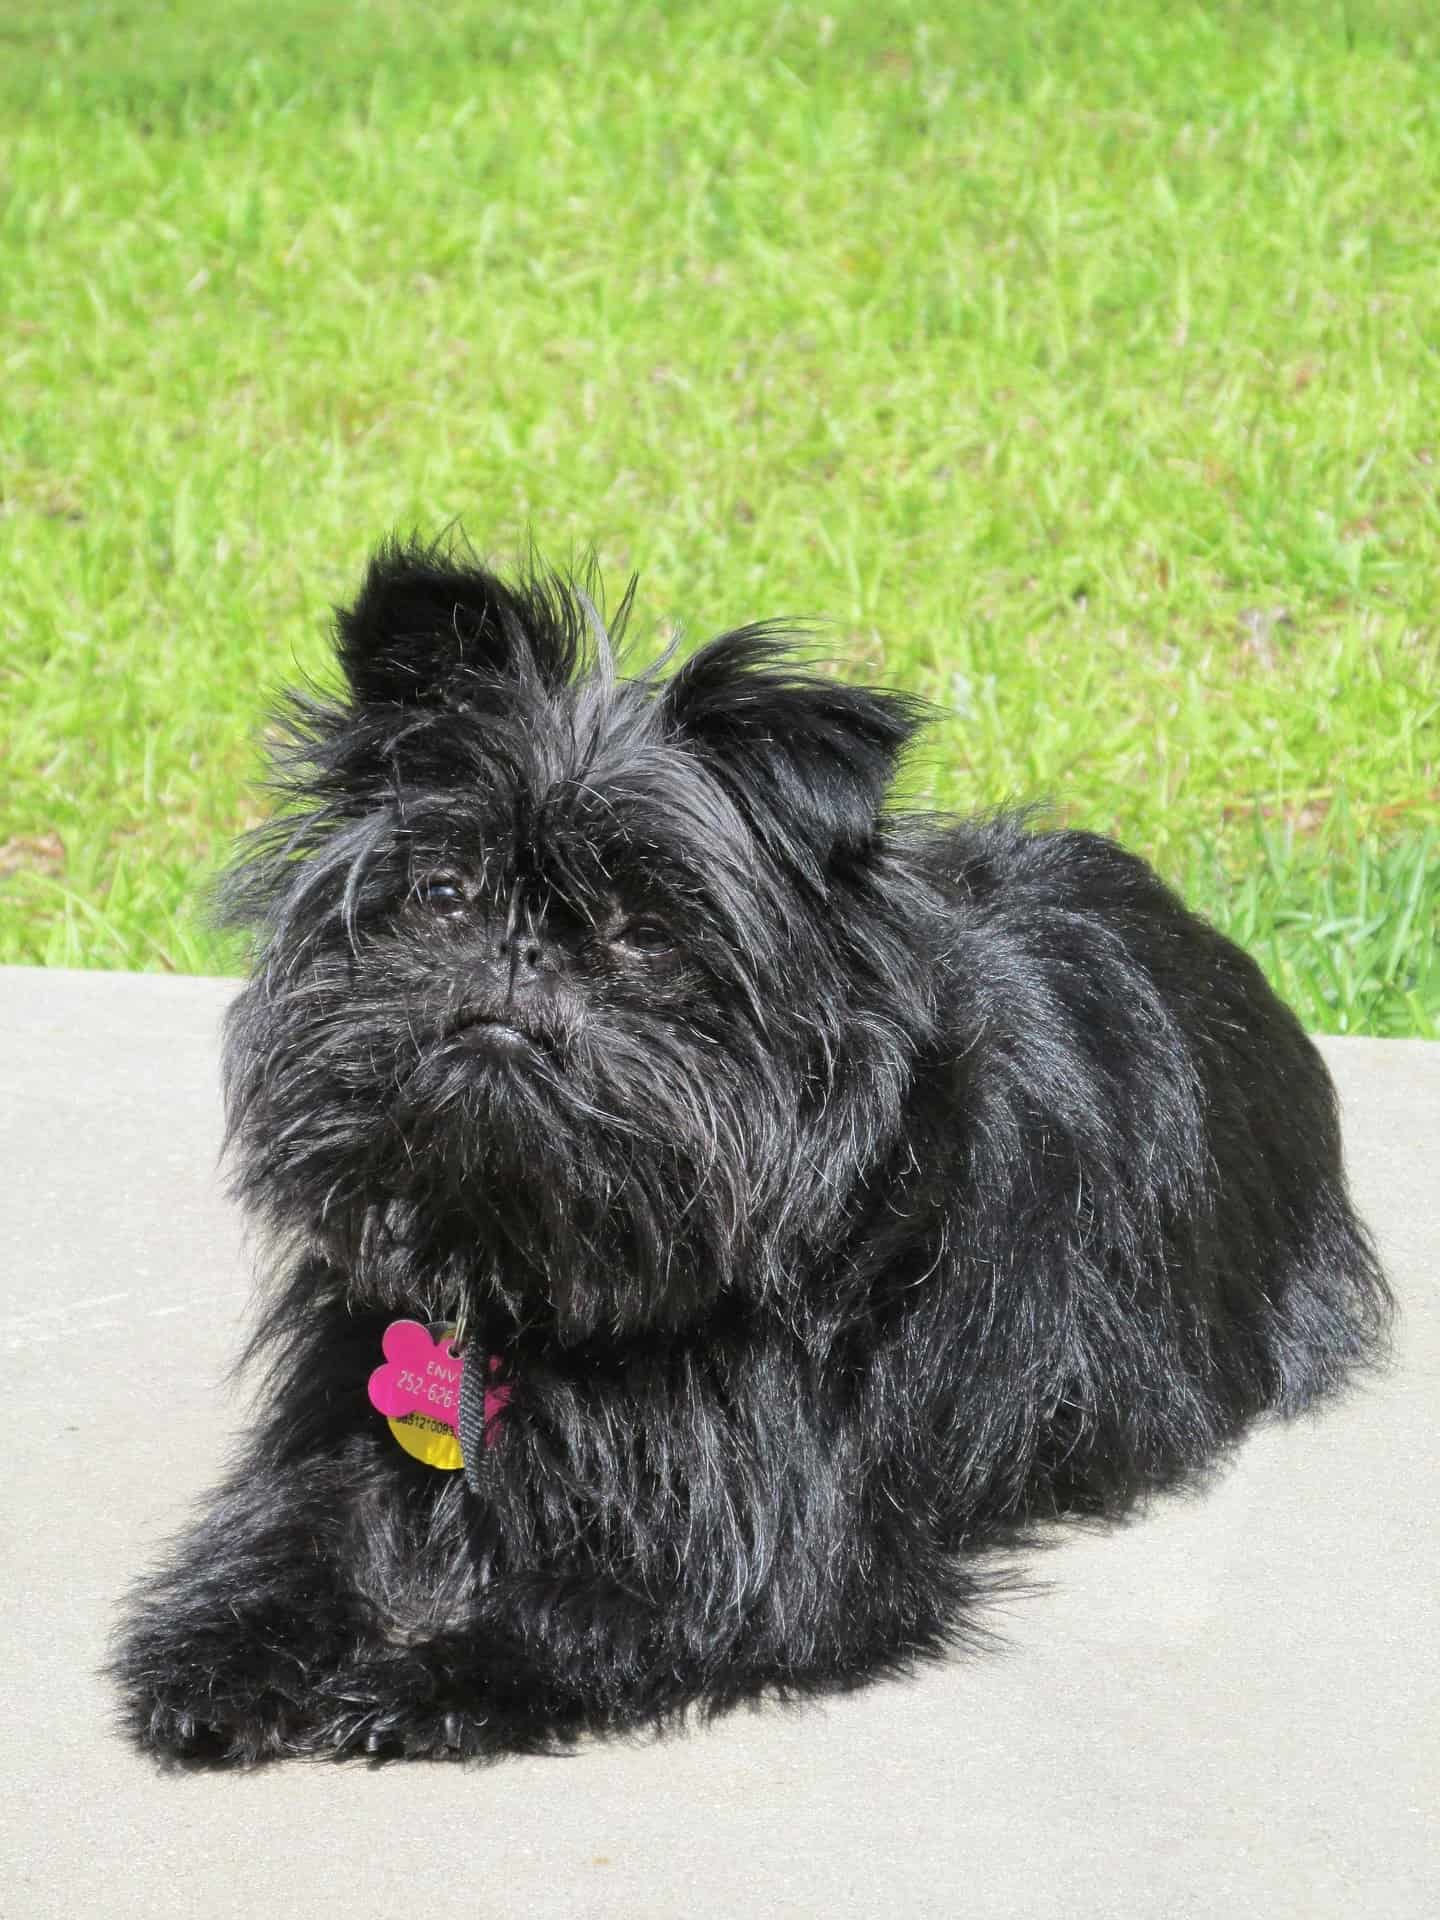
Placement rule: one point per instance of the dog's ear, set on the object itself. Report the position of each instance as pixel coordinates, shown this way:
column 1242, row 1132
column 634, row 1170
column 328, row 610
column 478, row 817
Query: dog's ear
column 426, row 628
column 809, row 761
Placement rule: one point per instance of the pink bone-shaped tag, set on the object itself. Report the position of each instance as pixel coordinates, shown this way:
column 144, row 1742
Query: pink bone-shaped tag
column 422, row 1375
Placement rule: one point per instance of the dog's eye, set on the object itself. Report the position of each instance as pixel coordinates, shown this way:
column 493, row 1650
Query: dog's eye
column 441, row 894
column 646, row 937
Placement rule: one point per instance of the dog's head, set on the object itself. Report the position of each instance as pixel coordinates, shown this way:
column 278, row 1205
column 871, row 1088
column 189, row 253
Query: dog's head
column 595, row 994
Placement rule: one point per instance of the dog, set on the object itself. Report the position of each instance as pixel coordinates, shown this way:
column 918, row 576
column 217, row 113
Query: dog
column 708, row 1208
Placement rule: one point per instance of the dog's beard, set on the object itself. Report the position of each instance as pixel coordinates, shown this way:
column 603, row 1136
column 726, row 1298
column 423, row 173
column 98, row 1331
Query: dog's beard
column 606, row 1170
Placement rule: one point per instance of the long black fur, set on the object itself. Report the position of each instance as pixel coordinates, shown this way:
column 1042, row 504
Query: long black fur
column 842, row 1192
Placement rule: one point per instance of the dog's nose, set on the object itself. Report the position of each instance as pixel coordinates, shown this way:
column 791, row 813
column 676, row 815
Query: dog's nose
column 528, row 956
column 525, row 954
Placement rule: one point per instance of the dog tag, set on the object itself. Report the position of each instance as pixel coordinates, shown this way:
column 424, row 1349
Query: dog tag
column 418, row 1391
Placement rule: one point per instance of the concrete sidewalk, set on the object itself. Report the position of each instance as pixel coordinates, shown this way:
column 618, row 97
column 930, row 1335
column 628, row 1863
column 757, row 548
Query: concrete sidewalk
column 1230, row 1707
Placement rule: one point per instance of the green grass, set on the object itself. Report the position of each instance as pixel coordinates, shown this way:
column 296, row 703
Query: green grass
column 1075, row 364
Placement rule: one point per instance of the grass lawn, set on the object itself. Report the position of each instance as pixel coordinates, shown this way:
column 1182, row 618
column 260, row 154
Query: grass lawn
column 1075, row 364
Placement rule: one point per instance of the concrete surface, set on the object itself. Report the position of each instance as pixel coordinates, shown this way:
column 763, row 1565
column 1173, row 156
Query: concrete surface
column 1226, row 1708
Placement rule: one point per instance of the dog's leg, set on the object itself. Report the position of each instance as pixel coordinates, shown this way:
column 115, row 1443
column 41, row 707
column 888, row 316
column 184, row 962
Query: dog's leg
column 221, row 1651
column 293, row 1618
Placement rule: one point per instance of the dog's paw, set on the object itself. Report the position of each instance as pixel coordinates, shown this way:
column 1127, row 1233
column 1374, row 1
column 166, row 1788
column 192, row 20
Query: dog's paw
column 221, row 1695
column 239, row 1693
column 397, row 1706
column 444, row 1701
column 208, row 1732
column 387, row 1732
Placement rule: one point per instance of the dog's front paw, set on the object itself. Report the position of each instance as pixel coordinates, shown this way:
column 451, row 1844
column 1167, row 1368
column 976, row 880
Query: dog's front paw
column 246, row 1688
column 376, row 1728
column 448, row 1700
column 227, row 1693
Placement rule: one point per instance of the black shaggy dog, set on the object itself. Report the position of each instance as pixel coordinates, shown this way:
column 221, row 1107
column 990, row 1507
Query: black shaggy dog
column 812, row 1195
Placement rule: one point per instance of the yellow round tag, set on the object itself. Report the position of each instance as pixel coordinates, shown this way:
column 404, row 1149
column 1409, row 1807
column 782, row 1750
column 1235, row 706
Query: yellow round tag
column 428, row 1440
